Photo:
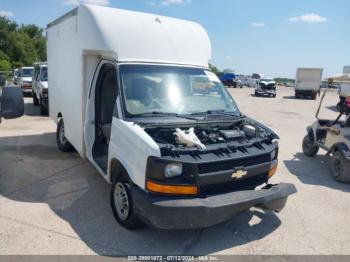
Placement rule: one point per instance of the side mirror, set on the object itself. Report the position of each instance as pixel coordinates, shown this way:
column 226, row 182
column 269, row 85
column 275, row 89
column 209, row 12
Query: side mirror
column 11, row 103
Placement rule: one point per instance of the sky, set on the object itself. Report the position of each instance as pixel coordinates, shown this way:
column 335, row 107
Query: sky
column 271, row 37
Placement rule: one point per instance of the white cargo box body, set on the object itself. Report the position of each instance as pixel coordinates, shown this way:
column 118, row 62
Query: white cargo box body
column 344, row 90
column 346, row 70
column 78, row 40
column 308, row 79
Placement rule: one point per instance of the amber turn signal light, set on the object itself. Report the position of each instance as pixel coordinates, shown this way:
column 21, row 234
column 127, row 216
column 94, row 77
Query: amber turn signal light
column 172, row 190
column 272, row 171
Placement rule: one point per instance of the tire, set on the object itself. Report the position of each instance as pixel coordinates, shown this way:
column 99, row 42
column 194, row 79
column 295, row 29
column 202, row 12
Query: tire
column 256, row 93
column 340, row 167
column 313, row 96
column 274, row 96
column 43, row 109
column 62, row 142
column 309, row 149
column 297, row 95
column 35, row 99
column 123, row 210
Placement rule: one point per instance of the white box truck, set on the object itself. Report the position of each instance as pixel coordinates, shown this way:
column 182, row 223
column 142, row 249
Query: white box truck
column 346, row 70
column 308, row 82
column 132, row 93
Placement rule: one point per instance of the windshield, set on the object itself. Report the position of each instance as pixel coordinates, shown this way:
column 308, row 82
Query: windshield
column 44, row 74
column 27, row 72
column 150, row 89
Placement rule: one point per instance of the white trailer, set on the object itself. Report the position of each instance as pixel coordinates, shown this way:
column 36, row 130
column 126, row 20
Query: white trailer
column 131, row 92
column 308, row 82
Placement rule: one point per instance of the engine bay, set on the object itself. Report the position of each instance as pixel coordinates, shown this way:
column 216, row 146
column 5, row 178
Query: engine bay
column 237, row 135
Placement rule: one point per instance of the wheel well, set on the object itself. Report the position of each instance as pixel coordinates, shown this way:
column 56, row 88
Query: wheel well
column 118, row 170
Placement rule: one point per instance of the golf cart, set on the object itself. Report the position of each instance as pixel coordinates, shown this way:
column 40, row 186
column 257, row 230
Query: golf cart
column 334, row 137
column 344, row 88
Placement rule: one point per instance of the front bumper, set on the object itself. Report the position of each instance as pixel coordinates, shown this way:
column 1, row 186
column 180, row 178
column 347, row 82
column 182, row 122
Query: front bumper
column 266, row 92
column 27, row 90
column 306, row 92
column 190, row 213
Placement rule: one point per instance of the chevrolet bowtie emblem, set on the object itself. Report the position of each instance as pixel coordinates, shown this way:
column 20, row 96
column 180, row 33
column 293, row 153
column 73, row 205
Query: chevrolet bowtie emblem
column 239, row 174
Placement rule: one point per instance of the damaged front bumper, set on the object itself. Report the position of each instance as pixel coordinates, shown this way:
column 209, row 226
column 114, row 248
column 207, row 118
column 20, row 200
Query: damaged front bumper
column 266, row 92
column 190, row 213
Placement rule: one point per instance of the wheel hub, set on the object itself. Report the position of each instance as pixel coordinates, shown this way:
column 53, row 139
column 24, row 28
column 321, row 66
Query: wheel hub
column 121, row 201
column 61, row 135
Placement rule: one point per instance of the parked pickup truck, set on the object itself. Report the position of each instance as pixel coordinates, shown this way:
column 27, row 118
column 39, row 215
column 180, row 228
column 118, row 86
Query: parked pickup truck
column 40, row 89
column 155, row 122
column 266, row 87
column 25, row 79
column 229, row 80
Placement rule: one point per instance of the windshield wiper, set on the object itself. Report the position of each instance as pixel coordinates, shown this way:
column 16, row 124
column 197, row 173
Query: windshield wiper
column 218, row 112
column 165, row 114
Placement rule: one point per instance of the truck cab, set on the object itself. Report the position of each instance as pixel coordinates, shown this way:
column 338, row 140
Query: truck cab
column 155, row 122
column 40, row 88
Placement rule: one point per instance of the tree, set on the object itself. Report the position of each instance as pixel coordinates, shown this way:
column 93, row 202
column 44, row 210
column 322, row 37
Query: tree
column 5, row 65
column 214, row 69
column 21, row 45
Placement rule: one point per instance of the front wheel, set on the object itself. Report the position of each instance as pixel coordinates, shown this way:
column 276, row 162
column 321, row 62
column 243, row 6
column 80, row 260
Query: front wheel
column 309, row 148
column 340, row 167
column 43, row 110
column 122, row 206
column 35, row 99
column 62, row 142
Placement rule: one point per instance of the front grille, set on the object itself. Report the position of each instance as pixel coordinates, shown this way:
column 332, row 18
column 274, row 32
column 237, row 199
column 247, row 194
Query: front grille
column 232, row 164
column 232, row 186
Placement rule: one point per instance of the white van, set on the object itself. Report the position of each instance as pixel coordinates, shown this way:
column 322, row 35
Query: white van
column 308, row 82
column 40, row 90
column 132, row 93
column 25, row 79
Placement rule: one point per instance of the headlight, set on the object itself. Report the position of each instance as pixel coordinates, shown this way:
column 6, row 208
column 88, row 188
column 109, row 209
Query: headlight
column 173, row 170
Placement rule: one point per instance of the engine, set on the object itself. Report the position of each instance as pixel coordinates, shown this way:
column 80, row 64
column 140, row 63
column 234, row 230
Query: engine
column 201, row 137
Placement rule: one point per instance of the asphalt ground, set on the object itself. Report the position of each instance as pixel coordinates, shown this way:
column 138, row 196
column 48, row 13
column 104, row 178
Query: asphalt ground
column 57, row 203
